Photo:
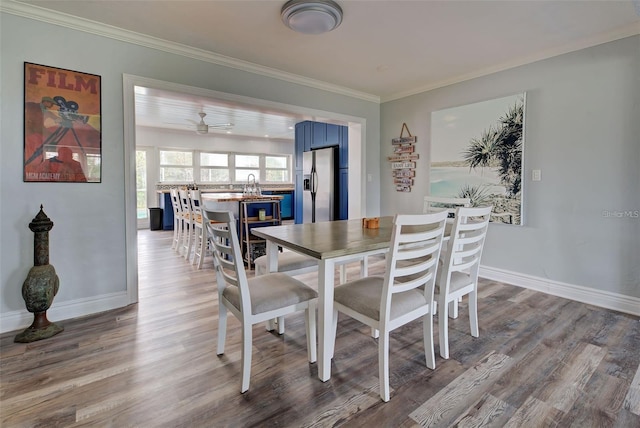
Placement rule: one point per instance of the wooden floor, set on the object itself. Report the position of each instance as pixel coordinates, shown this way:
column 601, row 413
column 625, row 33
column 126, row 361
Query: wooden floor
column 539, row 361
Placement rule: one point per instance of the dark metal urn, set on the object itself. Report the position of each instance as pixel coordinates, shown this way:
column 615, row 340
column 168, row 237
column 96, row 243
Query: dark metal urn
column 41, row 285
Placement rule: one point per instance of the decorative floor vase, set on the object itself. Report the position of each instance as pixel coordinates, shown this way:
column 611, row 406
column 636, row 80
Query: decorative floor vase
column 41, row 285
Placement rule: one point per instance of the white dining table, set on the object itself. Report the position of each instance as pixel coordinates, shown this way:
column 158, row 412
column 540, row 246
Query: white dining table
column 329, row 242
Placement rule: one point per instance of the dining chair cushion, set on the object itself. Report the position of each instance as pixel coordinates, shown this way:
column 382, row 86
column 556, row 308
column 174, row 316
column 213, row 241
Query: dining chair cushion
column 458, row 280
column 363, row 295
column 271, row 291
column 287, row 261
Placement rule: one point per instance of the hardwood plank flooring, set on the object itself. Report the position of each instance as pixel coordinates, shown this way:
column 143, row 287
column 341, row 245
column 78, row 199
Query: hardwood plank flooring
column 539, row 361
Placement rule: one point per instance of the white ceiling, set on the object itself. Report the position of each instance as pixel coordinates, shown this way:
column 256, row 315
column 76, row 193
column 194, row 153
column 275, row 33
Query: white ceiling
column 384, row 49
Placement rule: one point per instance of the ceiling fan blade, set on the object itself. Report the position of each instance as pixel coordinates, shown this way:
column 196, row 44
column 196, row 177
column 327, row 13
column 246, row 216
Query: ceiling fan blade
column 222, row 126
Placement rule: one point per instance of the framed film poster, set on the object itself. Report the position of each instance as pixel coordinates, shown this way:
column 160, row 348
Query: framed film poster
column 62, row 125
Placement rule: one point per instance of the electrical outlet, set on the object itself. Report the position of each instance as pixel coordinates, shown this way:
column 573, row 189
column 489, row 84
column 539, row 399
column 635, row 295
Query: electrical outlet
column 369, row 178
column 536, row 175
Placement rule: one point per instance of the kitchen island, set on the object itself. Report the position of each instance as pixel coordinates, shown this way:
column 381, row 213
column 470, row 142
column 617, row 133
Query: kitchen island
column 251, row 212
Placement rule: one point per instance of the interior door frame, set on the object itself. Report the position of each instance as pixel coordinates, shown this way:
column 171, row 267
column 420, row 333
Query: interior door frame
column 357, row 151
column 152, row 198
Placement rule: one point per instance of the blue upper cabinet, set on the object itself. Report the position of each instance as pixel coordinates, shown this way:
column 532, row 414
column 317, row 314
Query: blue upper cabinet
column 325, row 135
column 319, row 135
column 303, row 141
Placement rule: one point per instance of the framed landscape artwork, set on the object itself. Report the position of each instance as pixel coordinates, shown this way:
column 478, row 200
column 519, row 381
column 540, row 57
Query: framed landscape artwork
column 477, row 153
column 62, row 125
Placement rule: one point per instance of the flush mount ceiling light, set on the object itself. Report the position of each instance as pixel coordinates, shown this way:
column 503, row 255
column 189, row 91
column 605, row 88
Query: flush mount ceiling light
column 311, row 16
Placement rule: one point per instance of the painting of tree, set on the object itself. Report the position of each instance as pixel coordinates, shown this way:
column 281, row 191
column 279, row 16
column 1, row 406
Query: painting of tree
column 476, row 153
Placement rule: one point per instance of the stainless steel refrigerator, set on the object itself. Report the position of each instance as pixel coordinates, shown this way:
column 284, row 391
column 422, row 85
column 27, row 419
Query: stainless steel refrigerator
column 318, row 185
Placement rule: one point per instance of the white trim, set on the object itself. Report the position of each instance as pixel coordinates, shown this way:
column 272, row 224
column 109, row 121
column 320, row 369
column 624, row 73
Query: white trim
column 130, row 204
column 109, row 31
column 591, row 296
column 17, row 320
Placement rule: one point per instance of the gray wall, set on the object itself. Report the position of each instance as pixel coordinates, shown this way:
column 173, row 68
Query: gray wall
column 582, row 129
column 88, row 239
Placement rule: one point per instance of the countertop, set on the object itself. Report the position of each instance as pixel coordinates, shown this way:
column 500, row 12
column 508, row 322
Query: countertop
column 237, row 197
column 226, row 191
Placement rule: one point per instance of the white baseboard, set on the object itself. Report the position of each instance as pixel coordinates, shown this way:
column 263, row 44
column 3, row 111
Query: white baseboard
column 21, row 319
column 18, row 320
column 591, row 296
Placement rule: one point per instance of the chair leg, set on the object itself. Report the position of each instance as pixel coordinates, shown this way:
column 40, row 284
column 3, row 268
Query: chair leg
column 343, row 273
column 174, row 241
column 196, row 245
column 178, row 228
column 310, row 324
column 364, row 267
column 270, row 325
column 453, row 309
column 190, row 235
column 280, row 321
column 383, row 365
column 203, row 248
column 428, row 341
column 185, row 237
column 443, row 326
column 222, row 327
column 473, row 313
column 246, row 355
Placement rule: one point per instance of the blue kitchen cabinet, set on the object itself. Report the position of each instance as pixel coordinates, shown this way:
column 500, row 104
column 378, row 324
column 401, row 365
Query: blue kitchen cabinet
column 167, row 211
column 286, row 203
column 303, row 142
column 297, row 194
column 343, row 148
column 343, row 194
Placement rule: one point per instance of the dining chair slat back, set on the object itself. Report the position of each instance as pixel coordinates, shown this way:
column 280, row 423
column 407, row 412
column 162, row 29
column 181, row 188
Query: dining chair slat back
column 404, row 293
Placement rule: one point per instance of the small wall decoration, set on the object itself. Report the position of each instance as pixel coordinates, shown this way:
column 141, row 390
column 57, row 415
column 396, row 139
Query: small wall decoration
column 403, row 160
column 62, row 125
column 477, row 153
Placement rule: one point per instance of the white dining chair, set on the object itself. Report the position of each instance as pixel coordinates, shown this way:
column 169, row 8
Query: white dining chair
column 177, row 220
column 200, row 232
column 187, row 223
column 458, row 275
column 404, row 293
column 434, row 204
column 253, row 300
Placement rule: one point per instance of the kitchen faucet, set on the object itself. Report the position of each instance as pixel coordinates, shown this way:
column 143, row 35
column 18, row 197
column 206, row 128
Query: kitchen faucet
column 251, row 187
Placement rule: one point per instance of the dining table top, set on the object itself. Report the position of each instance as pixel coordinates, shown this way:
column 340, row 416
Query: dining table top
column 330, row 239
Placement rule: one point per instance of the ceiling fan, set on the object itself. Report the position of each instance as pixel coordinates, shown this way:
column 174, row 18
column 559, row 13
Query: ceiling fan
column 203, row 128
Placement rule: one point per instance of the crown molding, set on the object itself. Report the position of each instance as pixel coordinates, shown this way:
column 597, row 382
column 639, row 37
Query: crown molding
column 80, row 24
column 619, row 33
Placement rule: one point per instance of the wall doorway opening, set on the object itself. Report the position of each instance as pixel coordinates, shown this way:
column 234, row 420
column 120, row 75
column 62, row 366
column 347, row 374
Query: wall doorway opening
column 357, row 154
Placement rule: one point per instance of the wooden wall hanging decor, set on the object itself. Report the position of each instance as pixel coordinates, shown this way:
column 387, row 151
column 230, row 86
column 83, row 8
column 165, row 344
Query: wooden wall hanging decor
column 403, row 160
